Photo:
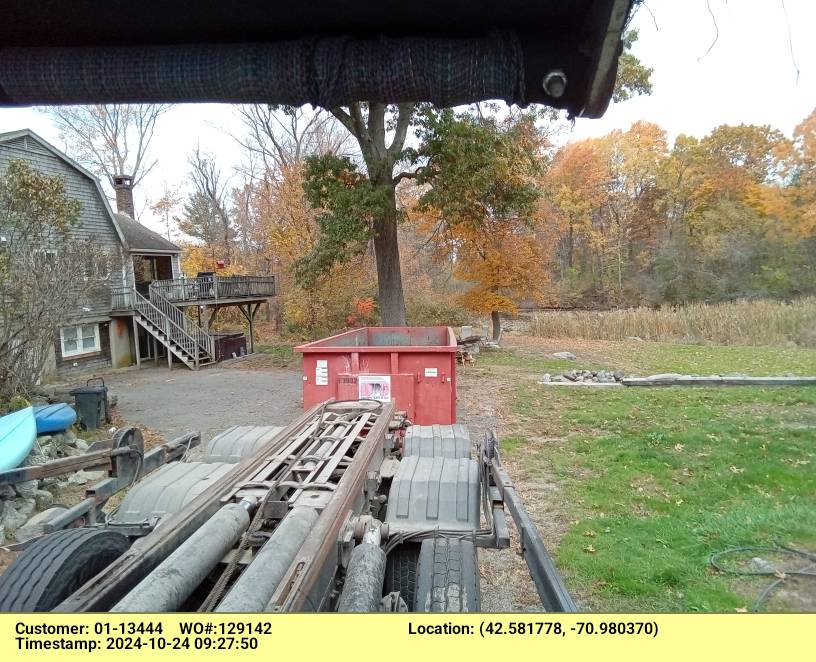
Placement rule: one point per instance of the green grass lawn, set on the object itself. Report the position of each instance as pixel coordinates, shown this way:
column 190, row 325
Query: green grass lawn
column 280, row 355
column 656, row 480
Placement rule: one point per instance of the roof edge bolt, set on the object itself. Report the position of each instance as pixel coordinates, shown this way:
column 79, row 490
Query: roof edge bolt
column 555, row 83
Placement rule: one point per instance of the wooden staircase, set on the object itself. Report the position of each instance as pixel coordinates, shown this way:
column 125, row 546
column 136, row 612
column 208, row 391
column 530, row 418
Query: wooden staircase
column 185, row 339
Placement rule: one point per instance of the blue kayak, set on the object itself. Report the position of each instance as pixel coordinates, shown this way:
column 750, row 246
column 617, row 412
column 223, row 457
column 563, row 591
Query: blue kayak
column 54, row 418
column 17, row 434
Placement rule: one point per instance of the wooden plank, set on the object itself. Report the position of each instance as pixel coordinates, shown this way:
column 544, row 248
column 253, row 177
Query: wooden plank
column 56, row 467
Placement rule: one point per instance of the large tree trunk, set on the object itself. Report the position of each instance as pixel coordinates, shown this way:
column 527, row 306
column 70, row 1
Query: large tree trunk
column 389, row 275
column 495, row 319
column 380, row 160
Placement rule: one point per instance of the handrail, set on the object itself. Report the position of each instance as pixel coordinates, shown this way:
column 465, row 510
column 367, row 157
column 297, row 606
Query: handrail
column 165, row 323
column 198, row 335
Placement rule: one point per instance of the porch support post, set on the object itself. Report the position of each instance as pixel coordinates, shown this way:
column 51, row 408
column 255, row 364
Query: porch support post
column 253, row 312
column 136, row 342
column 249, row 314
column 212, row 317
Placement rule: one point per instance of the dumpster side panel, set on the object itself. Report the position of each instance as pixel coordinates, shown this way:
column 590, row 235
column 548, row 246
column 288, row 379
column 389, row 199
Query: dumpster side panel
column 419, row 375
column 434, row 386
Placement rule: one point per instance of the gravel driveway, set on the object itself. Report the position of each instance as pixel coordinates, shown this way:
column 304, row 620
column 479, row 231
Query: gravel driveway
column 210, row 400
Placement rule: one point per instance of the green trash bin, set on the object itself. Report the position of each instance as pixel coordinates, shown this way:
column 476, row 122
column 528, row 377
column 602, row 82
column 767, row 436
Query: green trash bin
column 92, row 404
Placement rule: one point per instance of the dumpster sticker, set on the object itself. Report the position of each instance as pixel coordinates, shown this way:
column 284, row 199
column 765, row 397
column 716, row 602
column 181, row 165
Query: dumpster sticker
column 375, row 387
column 430, row 372
column 322, row 373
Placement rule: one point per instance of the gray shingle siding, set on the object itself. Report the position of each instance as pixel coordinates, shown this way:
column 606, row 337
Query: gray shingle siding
column 84, row 363
column 94, row 223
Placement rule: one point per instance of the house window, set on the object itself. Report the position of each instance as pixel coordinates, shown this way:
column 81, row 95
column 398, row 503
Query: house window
column 82, row 339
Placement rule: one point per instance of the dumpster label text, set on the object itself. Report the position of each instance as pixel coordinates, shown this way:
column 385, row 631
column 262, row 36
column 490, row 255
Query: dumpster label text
column 430, row 372
column 375, row 387
column 322, row 373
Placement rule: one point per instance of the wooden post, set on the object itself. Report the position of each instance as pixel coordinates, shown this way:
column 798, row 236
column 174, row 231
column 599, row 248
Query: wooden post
column 212, row 317
column 252, row 314
column 249, row 314
column 136, row 342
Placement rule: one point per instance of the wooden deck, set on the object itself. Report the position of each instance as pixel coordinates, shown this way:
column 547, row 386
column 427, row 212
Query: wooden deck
column 204, row 291
column 215, row 290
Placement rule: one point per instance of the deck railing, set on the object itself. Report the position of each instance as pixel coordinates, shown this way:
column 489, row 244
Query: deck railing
column 213, row 288
column 122, row 298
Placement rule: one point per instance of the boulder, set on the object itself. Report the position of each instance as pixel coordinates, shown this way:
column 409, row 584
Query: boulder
column 27, row 488
column 54, row 485
column 7, row 492
column 81, row 445
column 43, row 499
column 24, row 506
column 10, row 518
column 565, row 356
column 79, row 478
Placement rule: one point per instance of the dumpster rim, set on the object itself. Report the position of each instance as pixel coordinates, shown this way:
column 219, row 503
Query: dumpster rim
column 314, row 347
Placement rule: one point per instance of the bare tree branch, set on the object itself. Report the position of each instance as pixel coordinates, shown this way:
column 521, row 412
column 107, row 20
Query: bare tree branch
column 110, row 139
column 282, row 136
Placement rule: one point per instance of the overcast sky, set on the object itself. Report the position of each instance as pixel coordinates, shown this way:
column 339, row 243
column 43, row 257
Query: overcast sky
column 748, row 76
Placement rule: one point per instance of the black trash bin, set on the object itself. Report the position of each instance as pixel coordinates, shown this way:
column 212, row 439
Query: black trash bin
column 92, row 404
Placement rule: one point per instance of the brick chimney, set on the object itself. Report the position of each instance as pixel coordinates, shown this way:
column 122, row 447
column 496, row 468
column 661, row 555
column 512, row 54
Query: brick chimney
column 123, row 185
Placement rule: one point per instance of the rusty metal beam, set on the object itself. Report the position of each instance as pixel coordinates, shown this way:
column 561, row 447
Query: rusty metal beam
column 108, row 587
column 309, row 563
column 548, row 582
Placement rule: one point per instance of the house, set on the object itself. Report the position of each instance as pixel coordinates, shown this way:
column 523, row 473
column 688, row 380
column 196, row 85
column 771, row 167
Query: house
column 143, row 315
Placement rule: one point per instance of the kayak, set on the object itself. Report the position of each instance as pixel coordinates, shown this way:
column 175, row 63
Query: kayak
column 17, row 434
column 54, row 418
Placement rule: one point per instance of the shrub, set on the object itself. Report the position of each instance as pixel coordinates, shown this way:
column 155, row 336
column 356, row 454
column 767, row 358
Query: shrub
column 423, row 312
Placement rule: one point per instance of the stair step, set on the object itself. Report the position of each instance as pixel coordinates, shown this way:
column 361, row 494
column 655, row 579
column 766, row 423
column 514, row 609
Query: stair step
column 184, row 348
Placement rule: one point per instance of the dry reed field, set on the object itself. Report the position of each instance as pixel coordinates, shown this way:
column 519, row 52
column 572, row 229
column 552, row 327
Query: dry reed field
column 763, row 322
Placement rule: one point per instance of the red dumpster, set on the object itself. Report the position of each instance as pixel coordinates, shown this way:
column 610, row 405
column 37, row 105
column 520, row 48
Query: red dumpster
column 413, row 365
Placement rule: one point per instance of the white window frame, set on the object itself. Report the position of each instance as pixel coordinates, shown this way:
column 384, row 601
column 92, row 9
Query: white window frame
column 81, row 350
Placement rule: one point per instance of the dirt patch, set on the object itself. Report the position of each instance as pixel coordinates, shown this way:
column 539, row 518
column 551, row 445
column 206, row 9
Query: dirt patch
column 483, row 403
column 596, row 352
